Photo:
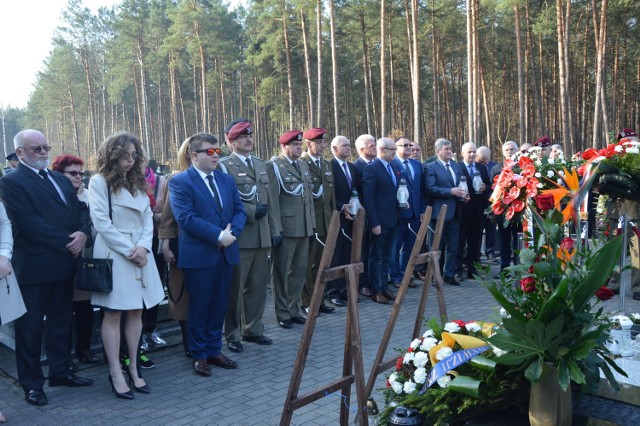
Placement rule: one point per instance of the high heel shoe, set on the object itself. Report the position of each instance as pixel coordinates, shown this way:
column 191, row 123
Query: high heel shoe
column 88, row 357
column 142, row 389
column 124, row 395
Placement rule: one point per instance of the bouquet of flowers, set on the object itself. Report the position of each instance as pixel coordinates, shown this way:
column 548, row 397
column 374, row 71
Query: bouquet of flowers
column 550, row 172
column 619, row 172
column 513, row 187
column 430, row 377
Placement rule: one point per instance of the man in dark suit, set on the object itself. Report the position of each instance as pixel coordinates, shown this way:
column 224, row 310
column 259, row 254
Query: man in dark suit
column 483, row 156
column 508, row 234
column 50, row 228
column 380, row 183
column 346, row 180
column 441, row 180
column 210, row 215
column 366, row 150
column 409, row 217
column 472, row 213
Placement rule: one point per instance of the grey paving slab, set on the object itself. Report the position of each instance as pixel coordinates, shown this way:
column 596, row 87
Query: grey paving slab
column 255, row 393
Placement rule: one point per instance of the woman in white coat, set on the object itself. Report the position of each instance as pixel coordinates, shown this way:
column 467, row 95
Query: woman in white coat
column 124, row 234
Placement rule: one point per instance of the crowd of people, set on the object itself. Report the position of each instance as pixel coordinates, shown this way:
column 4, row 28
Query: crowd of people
column 225, row 225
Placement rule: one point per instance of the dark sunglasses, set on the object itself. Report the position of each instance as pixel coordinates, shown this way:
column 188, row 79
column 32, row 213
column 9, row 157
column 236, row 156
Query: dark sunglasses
column 210, row 151
column 75, row 173
column 406, row 145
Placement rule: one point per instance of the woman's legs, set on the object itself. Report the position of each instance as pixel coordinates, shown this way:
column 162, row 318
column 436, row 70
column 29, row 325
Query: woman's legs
column 111, row 343
column 132, row 333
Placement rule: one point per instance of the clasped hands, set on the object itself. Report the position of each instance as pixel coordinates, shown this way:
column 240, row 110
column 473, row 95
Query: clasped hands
column 138, row 256
column 5, row 267
column 78, row 240
column 227, row 237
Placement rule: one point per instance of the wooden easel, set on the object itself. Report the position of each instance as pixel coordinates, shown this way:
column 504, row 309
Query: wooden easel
column 433, row 272
column 352, row 346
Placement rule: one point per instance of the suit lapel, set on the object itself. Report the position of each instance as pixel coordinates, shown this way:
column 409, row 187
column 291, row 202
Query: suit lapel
column 289, row 167
column 201, row 186
column 49, row 189
column 444, row 170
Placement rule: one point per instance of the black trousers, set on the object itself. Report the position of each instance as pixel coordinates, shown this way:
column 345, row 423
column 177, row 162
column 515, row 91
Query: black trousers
column 83, row 324
column 55, row 300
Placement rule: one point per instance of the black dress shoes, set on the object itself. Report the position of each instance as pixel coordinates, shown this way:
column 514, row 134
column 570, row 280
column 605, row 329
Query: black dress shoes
column 88, row 357
column 70, row 380
column 326, row 309
column 222, row 361
column 286, row 324
column 235, row 347
column 396, row 284
column 261, row 340
column 636, row 295
column 341, row 303
column 451, row 281
column 379, row 298
column 298, row 320
column 389, row 295
column 365, row 291
column 201, row 367
column 36, row 397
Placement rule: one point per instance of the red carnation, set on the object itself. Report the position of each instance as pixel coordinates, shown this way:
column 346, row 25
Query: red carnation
column 459, row 323
column 399, row 363
column 590, row 154
column 605, row 293
column 528, row 284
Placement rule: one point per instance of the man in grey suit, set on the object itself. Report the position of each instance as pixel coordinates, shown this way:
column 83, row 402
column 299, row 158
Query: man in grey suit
column 250, row 277
column 441, row 181
column 293, row 207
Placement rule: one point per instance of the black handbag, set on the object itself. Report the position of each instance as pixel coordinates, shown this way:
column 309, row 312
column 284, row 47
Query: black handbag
column 96, row 274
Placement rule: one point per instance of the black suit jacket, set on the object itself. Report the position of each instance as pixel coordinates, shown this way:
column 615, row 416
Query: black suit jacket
column 342, row 188
column 477, row 203
column 42, row 223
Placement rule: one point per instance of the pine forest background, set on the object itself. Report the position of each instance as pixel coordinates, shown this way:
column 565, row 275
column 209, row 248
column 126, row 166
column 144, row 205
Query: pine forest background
column 481, row 70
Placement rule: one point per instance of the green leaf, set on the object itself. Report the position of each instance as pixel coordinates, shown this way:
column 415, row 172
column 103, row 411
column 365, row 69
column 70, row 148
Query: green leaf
column 599, row 268
column 503, row 301
column 534, row 370
column 574, row 371
column 514, row 358
column 483, row 363
column 582, row 349
column 563, row 375
column 467, row 386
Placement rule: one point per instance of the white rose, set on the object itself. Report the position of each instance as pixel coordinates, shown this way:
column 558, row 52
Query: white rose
column 472, row 327
column 444, row 381
column 428, row 333
column 550, row 173
column 451, row 327
column 409, row 386
column 635, row 316
column 634, row 150
column 443, row 353
column 420, row 360
column 538, row 175
column 428, row 343
column 415, row 343
column 539, row 185
column 392, row 378
column 503, row 313
column 408, row 357
column 420, row 375
column 618, row 148
column 397, row 387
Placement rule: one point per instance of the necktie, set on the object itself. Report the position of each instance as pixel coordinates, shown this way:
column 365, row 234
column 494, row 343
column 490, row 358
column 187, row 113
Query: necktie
column 249, row 165
column 346, row 173
column 318, row 163
column 393, row 178
column 471, row 171
column 453, row 178
column 47, row 181
column 216, row 194
column 295, row 164
column 408, row 169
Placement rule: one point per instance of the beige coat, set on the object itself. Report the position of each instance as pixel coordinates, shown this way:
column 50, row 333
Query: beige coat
column 11, row 304
column 133, row 287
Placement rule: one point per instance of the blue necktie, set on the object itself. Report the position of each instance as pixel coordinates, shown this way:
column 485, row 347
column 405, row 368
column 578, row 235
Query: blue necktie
column 393, row 178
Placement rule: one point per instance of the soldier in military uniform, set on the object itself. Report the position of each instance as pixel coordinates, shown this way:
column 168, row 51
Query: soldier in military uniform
column 293, row 206
column 324, row 203
column 250, row 277
column 226, row 148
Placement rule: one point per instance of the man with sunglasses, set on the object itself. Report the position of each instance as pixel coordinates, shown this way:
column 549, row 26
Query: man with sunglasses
column 250, row 277
column 208, row 210
column 50, row 227
column 293, row 208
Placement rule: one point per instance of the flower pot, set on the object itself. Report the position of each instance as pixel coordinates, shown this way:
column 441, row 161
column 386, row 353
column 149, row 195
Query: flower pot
column 548, row 403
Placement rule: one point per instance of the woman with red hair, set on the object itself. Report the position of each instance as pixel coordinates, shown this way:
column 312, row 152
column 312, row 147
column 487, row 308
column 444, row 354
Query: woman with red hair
column 72, row 167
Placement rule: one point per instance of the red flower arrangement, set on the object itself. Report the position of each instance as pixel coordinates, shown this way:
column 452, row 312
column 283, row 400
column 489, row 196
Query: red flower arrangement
column 512, row 187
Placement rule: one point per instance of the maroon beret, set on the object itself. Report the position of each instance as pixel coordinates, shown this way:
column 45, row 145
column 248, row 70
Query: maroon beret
column 240, row 129
column 315, row 133
column 543, row 142
column 627, row 133
column 290, row 136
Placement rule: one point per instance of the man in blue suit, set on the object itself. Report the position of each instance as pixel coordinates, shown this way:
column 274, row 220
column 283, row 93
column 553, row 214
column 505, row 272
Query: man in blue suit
column 409, row 217
column 210, row 215
column 441, row 180
column 380, row 181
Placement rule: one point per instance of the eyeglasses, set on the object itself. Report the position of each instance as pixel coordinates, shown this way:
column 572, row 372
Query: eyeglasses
column 406, row 145
column 210, row 151
column 75, row 173
column 134, row 156
column 40, row 148
column 389, row 149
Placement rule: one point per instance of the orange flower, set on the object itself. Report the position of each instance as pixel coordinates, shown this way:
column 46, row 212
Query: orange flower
column 568, row 189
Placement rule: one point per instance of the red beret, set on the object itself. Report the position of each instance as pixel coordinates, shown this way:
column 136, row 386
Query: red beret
column 315, row 133
column 626, row 133
column 543, row 142
column 290, row 136
column 240, row 129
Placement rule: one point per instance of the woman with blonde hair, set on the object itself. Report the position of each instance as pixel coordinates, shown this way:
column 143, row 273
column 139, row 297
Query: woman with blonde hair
column 168, row 234
column 122, row 217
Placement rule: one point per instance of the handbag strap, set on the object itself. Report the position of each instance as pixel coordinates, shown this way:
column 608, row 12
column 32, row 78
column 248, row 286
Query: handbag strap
column 109, row 196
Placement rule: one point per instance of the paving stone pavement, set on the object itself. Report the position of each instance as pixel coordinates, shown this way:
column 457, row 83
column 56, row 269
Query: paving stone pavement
column 255, row 393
